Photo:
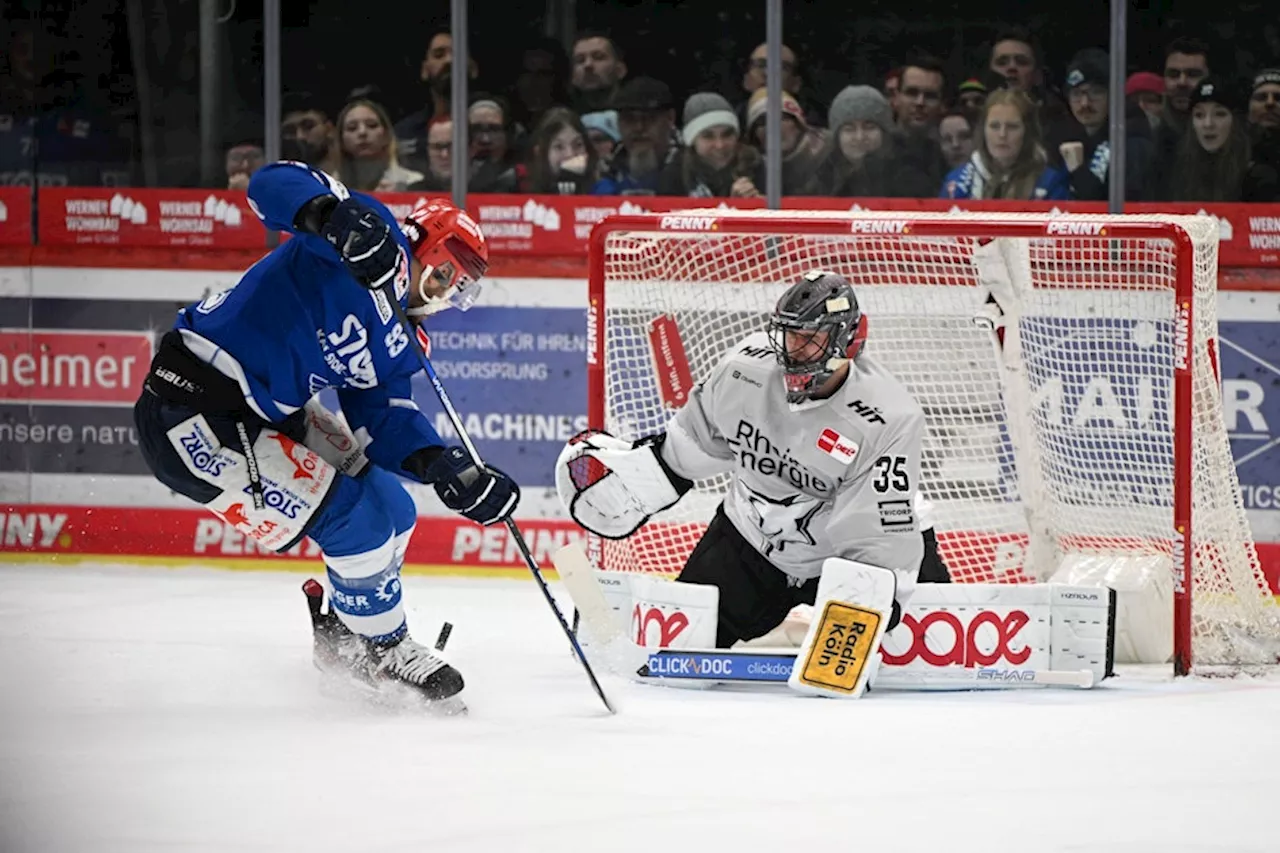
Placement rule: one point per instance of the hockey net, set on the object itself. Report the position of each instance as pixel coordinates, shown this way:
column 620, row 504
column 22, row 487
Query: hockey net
column 1088, row 423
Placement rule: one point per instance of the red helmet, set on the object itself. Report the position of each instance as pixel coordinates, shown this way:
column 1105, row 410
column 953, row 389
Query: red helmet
column 453, row 253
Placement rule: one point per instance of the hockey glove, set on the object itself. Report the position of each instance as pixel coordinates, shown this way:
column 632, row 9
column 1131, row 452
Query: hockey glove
column 364, row 240
column 612, row 487
column 484, row 495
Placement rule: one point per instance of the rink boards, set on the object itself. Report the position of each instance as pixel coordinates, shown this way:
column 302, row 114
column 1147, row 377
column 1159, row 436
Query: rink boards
column 74, row 345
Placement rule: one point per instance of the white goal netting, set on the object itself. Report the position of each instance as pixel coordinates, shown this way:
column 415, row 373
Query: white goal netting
column 1057, row 436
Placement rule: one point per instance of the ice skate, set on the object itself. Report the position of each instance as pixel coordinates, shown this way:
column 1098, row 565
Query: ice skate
column 404, row 673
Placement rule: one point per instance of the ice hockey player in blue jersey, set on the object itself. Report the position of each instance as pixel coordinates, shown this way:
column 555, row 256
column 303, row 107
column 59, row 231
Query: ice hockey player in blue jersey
column 228, row 415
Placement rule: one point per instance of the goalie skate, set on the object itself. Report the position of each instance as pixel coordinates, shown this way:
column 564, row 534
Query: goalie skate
column 405, row 674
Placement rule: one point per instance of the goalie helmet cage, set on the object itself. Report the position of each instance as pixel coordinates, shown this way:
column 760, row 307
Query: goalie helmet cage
column 1067, row 367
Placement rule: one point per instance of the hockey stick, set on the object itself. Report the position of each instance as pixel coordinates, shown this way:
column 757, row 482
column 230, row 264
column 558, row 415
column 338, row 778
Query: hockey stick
column 388, row 290
column 756, row 666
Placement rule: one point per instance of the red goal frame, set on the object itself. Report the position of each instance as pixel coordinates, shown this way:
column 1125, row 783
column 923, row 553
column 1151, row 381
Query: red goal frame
column 1049, row 227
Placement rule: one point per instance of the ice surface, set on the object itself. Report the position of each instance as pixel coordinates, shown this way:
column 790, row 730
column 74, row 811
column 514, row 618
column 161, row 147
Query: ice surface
column 164, row 710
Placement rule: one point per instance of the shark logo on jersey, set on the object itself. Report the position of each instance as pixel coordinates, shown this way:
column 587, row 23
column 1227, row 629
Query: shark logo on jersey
column 783, row 521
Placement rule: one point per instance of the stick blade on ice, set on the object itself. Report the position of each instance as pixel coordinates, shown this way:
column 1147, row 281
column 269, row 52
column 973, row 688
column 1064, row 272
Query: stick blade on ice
column 618, row 652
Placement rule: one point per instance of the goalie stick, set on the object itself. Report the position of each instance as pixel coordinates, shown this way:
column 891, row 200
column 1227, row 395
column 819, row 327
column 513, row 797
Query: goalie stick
column 753, row 666
column 412, row 331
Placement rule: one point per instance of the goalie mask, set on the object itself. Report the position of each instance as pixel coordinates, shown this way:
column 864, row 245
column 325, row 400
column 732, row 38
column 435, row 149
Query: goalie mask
column 453, row 253
column 815, row 328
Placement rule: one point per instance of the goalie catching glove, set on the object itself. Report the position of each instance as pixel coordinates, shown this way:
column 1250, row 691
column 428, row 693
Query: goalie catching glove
column 611, row 486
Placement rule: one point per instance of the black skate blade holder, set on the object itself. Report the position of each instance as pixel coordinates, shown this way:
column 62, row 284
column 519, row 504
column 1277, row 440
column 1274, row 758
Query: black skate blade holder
column 315, row 601
column 321, row 621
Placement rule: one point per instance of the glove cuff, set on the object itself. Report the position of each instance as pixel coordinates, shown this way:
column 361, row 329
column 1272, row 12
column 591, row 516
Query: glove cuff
column 679, row 483
column 419, row 462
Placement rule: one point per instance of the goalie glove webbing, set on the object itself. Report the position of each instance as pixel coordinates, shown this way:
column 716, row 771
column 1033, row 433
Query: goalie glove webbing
column 613, row 487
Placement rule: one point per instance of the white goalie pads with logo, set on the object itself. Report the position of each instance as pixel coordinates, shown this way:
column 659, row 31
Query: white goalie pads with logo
column 611, row 486
column 840, row 653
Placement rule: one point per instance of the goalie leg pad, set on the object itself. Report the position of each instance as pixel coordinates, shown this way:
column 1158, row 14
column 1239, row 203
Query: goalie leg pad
column 612, row 487
column 841, row 650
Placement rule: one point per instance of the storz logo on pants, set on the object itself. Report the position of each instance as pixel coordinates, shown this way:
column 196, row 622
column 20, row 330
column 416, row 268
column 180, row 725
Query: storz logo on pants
column 197, row 447
column 200, row 450
column 281, row 500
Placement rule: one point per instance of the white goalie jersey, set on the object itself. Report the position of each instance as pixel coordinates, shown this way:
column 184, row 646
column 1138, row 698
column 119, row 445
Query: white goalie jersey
column 825, row 478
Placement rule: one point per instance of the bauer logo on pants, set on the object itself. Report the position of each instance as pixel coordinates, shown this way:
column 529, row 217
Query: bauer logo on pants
column 841, row 648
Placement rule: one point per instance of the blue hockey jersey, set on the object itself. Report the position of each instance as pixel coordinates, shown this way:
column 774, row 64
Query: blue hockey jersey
column 297, row 323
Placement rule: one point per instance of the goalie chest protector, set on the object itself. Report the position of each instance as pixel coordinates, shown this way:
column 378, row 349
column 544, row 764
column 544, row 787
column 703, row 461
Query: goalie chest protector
column 801, row 469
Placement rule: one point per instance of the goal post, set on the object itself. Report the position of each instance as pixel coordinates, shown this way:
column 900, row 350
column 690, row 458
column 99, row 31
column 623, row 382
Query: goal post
column 1067, row 366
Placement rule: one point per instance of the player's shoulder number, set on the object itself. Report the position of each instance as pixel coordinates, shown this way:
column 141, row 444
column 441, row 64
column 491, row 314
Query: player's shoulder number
column 889, row 473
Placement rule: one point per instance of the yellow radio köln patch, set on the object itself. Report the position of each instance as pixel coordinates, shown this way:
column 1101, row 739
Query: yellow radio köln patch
column 841, row 647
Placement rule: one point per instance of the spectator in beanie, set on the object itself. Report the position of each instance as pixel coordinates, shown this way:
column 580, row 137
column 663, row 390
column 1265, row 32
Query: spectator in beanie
column 1009, row 160
column 1213, row 161
column 955, row 134
column 603, row 133
column 802, row 146
column 493, row 161
column 560, row 159
column 1264, row 101
column 646, row 120
column 1264, row 117
column 369, row 161
column 1145, row 90
column 863, row 158
column 970, row 96
column 715, row 163
column 1087, row 154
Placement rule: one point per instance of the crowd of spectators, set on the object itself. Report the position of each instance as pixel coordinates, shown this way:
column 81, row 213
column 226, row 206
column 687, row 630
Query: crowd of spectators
column 583, row 125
